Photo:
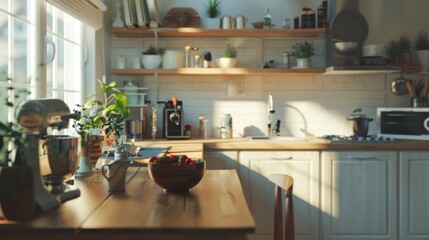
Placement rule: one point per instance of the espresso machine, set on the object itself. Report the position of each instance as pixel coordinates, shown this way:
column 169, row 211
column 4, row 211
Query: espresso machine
column 53, row 184
column 173, row 120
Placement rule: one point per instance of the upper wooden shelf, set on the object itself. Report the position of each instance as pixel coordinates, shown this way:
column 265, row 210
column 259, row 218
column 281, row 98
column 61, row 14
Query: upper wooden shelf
column 222, row 71
column 204, row 32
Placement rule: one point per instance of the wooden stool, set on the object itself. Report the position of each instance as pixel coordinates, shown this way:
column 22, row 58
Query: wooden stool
column 283, row 182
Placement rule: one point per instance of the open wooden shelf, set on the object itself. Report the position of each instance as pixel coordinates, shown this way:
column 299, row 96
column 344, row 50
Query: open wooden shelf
column 221, row 33
column 222, row 71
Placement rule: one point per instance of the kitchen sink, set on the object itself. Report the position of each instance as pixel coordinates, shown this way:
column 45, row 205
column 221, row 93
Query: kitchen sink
column 280, row 138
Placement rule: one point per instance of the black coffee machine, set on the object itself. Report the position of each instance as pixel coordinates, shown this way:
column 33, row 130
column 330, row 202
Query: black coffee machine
column 174, row 119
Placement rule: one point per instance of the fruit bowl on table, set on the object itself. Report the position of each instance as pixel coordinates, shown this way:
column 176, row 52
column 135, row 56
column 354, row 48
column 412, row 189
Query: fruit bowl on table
column 176, row 173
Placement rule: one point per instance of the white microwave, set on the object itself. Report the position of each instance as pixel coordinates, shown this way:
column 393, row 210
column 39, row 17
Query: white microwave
column 403, row 123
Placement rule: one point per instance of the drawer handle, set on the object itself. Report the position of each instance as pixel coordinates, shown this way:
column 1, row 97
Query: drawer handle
column 361, row 157
column 280, row 158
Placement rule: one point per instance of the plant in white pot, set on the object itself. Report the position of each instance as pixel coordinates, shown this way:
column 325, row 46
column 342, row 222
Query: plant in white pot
column 229, row 59
column 152, row 57
column 212, row 13
column 302, row 52
column 422, row 50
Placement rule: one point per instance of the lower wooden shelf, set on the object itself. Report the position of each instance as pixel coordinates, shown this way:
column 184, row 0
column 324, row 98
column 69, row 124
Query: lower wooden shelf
column 222, row 71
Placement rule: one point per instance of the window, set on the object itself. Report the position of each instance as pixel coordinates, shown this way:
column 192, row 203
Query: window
column 64, row 71
column 60, row 74
column 17, row 41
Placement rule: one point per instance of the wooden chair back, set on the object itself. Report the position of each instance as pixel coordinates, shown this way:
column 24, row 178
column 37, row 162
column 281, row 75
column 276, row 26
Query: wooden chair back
column 283, row 183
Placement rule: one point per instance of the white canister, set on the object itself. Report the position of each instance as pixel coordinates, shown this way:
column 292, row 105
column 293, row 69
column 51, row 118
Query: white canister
column 173, row 59
column 121, row 62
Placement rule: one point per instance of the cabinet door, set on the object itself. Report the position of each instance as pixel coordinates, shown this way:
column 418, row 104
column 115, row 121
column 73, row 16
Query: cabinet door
column 414, row 195
column 304, row 168
column 359, row 195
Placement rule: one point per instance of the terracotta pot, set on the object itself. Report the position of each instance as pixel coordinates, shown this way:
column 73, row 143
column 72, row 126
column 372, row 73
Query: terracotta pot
column 17, row 198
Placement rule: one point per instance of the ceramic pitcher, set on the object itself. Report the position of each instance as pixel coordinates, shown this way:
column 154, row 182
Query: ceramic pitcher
column 240, row 22
column 226, row 22
column 115, row 172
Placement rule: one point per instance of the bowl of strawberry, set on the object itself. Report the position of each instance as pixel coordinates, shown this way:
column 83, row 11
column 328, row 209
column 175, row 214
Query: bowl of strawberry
column 176, row 173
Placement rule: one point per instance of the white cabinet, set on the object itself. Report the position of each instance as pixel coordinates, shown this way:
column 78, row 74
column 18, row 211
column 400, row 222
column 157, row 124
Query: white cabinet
column 359, row 195
column 303, row 167
column 414, row 195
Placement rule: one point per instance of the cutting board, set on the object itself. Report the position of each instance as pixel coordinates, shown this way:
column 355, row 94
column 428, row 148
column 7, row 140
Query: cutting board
column 182, row 17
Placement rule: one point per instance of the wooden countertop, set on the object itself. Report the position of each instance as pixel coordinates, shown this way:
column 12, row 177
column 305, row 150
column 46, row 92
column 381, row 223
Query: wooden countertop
column 316, row 144
column 214, row 209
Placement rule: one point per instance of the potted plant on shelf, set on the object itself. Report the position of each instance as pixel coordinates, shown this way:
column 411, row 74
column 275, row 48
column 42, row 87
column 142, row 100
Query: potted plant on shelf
column 399, row 51
column 229, row 59
column 422, row 50
column 17, row 199
column 152, row 57
column 302, row 52
column 212, row 13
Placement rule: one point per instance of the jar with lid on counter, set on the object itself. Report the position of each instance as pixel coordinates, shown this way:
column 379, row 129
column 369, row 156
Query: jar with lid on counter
column 131, row 90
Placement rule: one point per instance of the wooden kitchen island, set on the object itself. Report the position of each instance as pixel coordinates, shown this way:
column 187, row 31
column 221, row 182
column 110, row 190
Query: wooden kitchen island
column 214, row 209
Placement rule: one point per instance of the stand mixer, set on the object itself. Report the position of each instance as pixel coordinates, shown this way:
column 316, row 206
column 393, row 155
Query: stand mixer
column 37, row 117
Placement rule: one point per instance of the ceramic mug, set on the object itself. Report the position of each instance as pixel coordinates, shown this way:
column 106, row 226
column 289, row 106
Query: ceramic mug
column 115, row 172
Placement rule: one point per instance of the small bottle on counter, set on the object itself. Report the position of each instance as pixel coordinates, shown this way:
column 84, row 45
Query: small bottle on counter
column 203, row 125
column 286, row 59
column 267, row 19
column 207, row 60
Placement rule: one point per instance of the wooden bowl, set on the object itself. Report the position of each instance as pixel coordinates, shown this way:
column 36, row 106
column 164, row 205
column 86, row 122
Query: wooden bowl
column 176, row 178
column 258, row 24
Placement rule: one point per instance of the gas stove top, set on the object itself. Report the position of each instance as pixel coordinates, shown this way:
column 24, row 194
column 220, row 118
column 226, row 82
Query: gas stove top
column 370, row 138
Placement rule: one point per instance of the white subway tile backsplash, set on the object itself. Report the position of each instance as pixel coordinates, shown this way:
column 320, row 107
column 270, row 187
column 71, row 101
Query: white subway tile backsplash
column 307, row 106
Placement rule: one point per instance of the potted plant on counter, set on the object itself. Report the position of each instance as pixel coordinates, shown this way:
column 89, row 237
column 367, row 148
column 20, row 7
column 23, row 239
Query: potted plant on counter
column 103, row 120
column 302, row 52
column 152, row 57
column 212, row 14
column 422, row 50
column 89, row 127
column 229, row 59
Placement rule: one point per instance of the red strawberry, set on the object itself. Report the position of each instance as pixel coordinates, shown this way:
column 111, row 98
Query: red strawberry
column 153, row 159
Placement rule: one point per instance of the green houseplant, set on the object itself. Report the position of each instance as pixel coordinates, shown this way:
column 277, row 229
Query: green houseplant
column 302, row 52
column 101, row 120
column 422, row 50
column 212, row 13
column 111, row 112
column 399, row 51
column 152, row 57
column 229, row 58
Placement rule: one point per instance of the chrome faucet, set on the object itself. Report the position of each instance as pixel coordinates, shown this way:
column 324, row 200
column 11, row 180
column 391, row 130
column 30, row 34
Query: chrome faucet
column 271, row 112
